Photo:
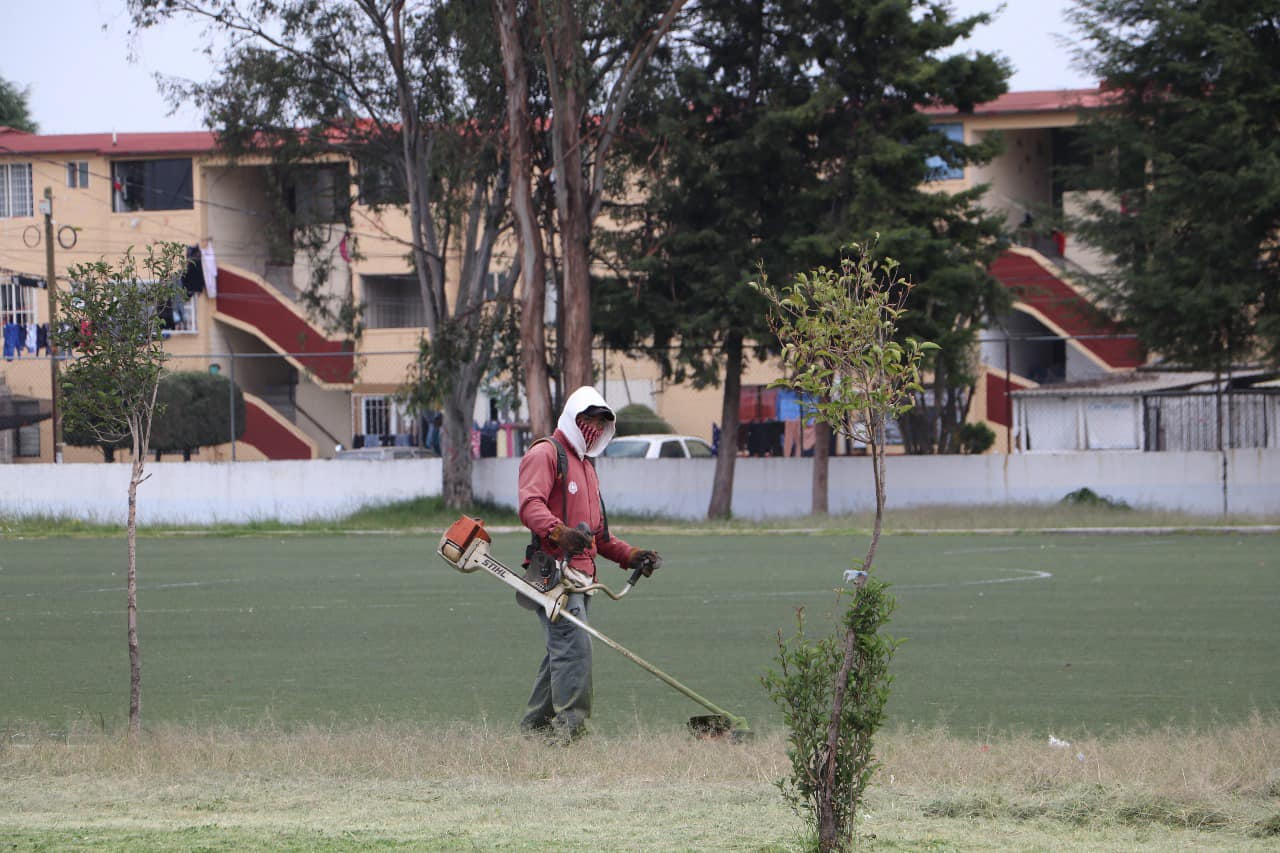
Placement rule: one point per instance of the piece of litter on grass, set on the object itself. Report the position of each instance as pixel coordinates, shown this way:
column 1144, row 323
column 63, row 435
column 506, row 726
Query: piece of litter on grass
column 1079, row 756
column 1057, row 743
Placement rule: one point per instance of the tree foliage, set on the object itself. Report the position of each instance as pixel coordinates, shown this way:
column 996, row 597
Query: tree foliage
column 111, row 320
column 14, row 109
column 639, row 419
column 570, row 70
column 1186, row 162
column 803, row 686
column 839, row 330
column 780, row 131
column 412, row 93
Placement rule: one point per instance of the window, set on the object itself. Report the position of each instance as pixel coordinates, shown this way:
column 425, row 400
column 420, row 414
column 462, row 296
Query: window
column 621, row 448
column 382, row 415
column 17, row 303
column 937, row 168
column 15, row 190
column 78, row 174
column 382, row 182
column 318, row 194
column 151, row 185
column 377, row 416
column 671, row 449
column 697, row 449
column 180, row 318
column 393, row 302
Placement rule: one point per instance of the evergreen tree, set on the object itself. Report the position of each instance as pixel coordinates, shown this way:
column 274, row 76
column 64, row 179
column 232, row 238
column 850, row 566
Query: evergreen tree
column 788, row 129
column 1187, row 163
column 14, row 110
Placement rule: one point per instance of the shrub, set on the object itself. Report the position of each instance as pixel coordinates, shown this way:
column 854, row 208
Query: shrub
column 1088, row 497
column 194, row 412
column 637, row 419
column 976, row 438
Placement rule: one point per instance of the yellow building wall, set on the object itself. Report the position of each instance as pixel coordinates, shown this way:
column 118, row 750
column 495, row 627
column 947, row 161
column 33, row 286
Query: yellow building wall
column 86, row 229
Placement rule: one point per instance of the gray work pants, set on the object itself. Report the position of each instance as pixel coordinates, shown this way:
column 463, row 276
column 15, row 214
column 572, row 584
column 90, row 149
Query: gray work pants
column 561, row 698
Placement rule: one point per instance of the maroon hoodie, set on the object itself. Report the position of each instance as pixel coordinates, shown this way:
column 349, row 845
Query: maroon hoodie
column 543, row 498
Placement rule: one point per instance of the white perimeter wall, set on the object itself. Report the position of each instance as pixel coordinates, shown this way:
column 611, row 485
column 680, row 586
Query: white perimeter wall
column 202, row 493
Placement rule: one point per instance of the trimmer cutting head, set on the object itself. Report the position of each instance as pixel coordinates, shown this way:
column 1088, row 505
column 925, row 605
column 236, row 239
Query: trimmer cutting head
column 719, row 727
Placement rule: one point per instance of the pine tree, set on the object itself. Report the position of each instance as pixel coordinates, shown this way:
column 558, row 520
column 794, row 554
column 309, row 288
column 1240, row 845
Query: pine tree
column 1187, row 164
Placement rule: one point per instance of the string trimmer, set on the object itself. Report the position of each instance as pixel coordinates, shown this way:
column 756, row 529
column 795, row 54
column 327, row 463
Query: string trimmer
column 465, row 546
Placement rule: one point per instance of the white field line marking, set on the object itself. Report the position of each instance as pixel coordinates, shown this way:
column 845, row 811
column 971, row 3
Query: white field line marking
column 1023, row 575
column 994, row 548
column 252, row 609
column 141, row 588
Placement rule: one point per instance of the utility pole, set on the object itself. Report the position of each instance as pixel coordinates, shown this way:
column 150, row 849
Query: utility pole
column 46, row 207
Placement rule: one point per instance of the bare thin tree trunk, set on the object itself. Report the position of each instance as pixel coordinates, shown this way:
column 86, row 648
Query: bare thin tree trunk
column 727, row 456
column 821, row 467
column 131, row 592
column 579, row 369
column 533, row 264
column 562, row 45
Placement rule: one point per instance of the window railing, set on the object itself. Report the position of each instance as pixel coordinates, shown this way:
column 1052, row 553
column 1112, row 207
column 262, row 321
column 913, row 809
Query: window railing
column 394, row 313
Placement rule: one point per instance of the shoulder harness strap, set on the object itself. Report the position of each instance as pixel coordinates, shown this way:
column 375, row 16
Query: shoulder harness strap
column 562, row 469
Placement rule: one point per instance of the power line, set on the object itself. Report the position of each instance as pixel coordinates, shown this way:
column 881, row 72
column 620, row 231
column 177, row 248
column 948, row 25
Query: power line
column 110, row 179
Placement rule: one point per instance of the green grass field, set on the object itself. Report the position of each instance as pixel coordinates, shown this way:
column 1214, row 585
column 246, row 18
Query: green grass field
column 1069, row 634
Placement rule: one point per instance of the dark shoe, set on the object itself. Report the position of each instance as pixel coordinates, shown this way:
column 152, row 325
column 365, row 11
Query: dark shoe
column 566, row 731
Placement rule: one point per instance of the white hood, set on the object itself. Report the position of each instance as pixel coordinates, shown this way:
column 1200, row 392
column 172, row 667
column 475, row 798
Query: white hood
column 578, row 402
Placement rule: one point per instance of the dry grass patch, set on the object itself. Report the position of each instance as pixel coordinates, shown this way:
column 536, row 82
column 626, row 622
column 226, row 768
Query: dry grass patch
column 473, row 787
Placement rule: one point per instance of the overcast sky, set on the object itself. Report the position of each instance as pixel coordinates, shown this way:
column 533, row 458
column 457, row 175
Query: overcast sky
column 85, row 74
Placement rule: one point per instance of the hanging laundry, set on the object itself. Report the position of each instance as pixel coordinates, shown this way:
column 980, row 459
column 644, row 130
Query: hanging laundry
column 210, row 265
column 193, row 278
column 30, row 281
column 42, row 339
column 30, row 335
column 12, row 337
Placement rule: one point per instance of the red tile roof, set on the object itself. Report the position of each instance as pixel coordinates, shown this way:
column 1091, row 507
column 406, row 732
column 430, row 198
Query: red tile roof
column 1044, row 101
column 107, row 144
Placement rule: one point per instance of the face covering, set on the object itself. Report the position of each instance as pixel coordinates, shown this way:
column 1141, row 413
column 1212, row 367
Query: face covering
column 590, row 430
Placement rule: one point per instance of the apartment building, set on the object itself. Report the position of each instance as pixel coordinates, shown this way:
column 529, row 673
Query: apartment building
column 1053, row 334
column 309, row 390
column 304, row 393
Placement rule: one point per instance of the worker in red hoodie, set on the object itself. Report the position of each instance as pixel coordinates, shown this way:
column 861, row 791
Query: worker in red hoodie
column 553, row 502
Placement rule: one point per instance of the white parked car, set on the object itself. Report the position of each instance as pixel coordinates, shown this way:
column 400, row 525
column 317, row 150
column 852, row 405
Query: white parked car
column 656, row 446
column 384, row 454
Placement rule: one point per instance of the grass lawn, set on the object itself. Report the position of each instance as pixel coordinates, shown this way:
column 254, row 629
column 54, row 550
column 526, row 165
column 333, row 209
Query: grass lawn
column 1063, row 634
column 319, row 692
column 386, row 786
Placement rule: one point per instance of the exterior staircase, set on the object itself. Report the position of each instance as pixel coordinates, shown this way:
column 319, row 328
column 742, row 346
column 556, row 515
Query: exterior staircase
column 248, row 303
column 1040, row 290
column 273, row 436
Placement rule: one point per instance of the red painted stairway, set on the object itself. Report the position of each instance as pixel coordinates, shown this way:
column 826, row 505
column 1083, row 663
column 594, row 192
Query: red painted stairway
column 250, row 304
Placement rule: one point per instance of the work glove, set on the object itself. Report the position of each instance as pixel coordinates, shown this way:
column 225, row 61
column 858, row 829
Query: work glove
column 647, row 562
column 570, row 541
